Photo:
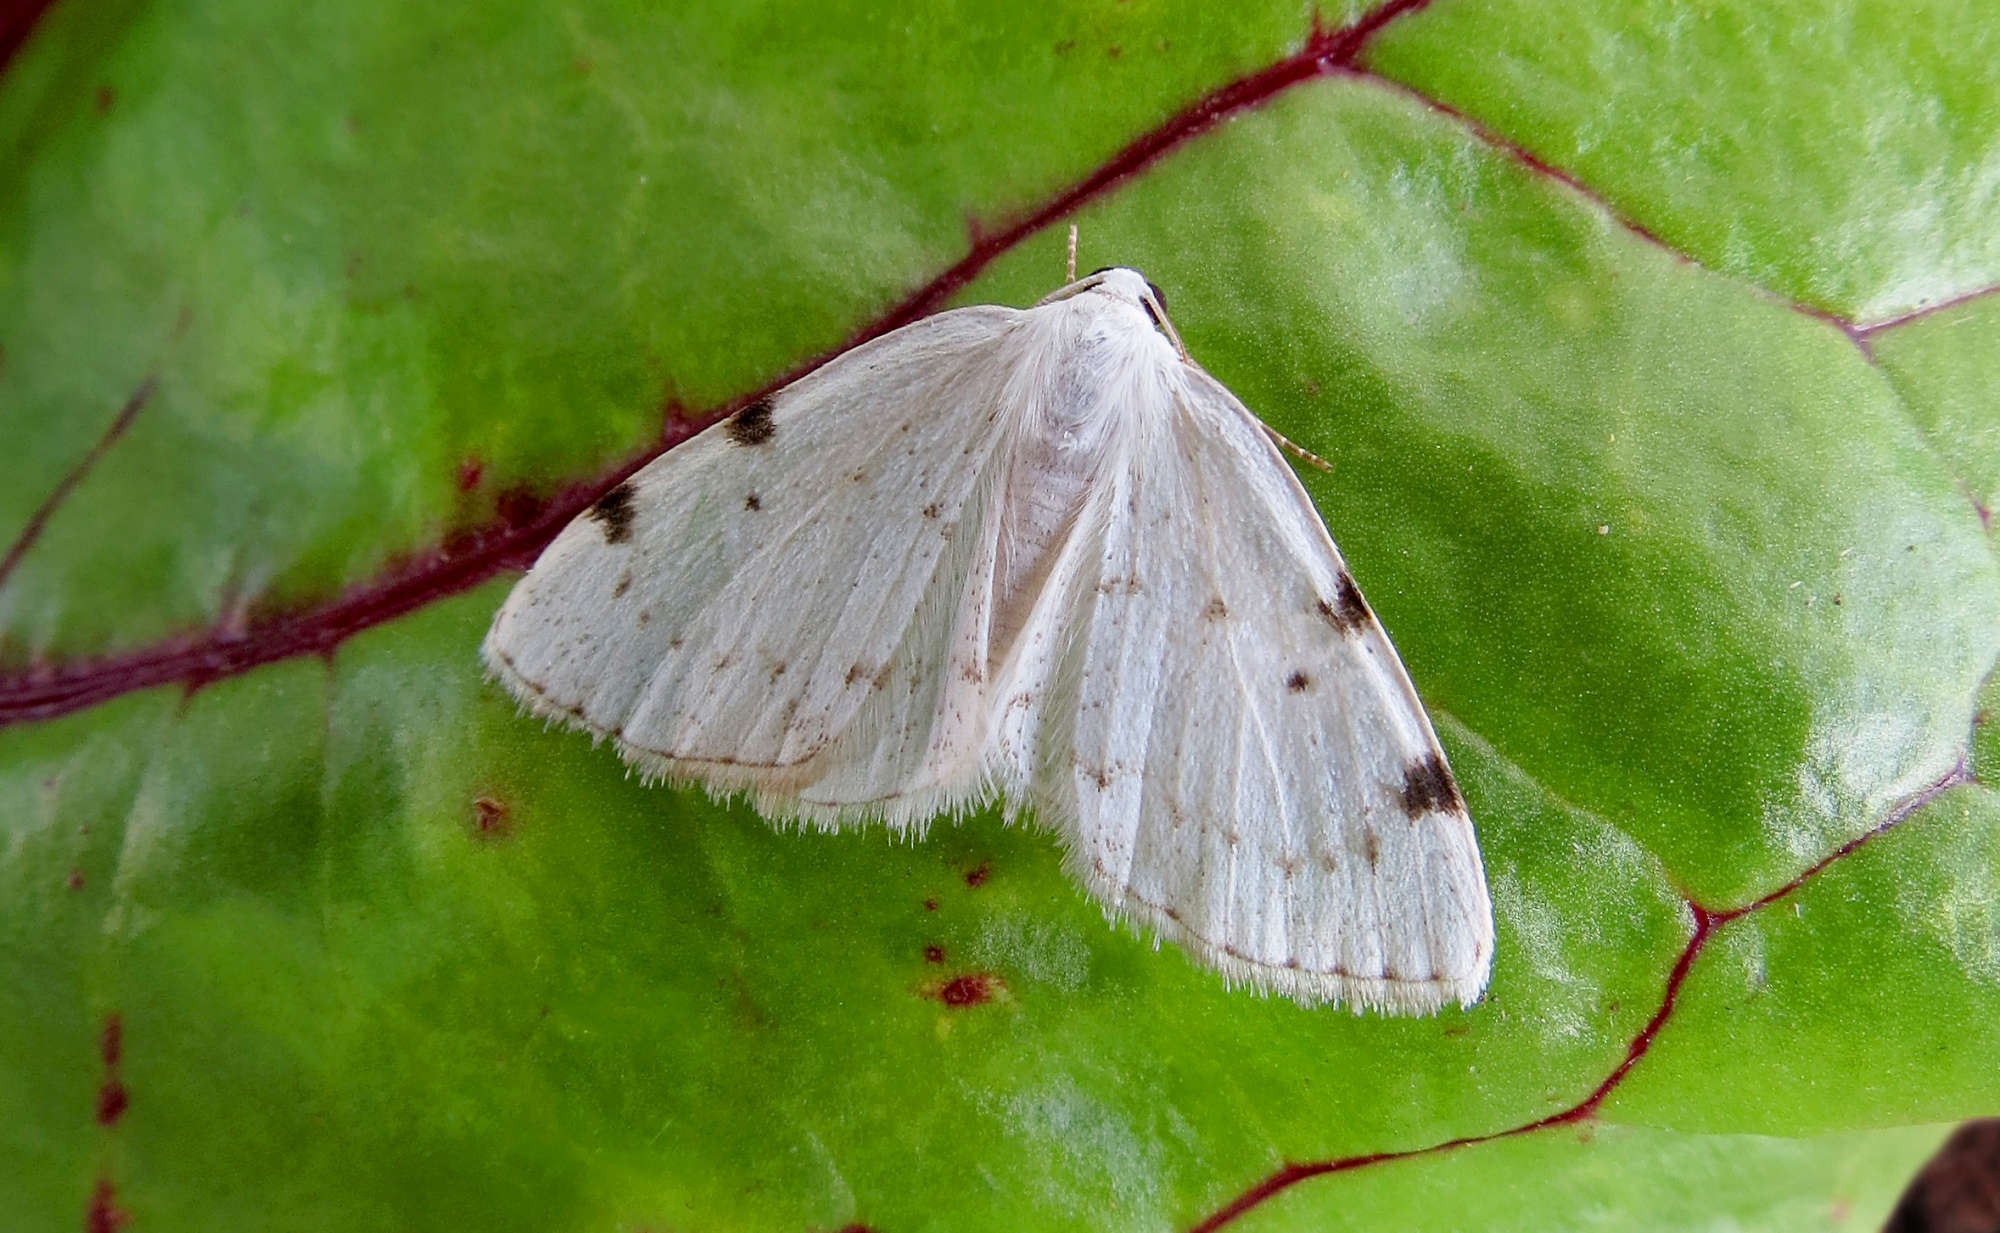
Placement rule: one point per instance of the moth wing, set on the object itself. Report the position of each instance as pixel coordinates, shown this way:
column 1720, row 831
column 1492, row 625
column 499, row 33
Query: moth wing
column 769, row 605
column 1251, row 773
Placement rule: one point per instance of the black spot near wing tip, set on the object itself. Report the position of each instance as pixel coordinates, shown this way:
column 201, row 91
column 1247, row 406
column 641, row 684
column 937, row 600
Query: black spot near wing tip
column 1429, row 788
column 613, row 512
column 752, row 425
column 1346, row 611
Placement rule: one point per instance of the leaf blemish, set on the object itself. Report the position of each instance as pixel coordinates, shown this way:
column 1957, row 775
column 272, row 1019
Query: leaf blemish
column 971, row 989
column 112, row 1100
column 489, row 818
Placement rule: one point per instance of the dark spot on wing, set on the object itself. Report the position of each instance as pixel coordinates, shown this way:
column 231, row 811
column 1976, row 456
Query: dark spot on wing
column 932, row 510
column 613, row 512
column 1298, row 682
column 1371, row 847
column 752, row 425
column 624, row 584
column 1216, row 610
column 751, row 502
column 1346, row 611
column 1428, row 788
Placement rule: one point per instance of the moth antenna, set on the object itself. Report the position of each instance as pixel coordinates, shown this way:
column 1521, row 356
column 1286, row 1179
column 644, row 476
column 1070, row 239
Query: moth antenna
column 1299, row 452
column 1070, row 268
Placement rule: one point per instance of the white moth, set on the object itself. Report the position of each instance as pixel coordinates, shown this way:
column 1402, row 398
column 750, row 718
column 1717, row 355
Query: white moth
column 1040, row 555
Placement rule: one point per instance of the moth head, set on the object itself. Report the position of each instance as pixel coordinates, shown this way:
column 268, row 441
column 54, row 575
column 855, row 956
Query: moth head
column 1130, row 286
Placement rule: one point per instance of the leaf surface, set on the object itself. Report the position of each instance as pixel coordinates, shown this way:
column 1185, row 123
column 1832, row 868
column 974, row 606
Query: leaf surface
column 1656, row 442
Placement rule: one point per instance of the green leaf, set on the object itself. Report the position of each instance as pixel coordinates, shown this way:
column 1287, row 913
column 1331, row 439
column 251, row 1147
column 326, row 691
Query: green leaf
column 1648, row 448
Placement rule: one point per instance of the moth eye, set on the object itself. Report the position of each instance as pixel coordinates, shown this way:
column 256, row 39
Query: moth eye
column 1154, row 317
column 1157, row 294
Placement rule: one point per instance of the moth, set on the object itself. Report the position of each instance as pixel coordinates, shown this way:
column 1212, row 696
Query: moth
column 1039, row 556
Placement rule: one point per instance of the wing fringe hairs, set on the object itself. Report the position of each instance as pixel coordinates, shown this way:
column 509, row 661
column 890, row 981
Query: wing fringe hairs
column 1035, row 557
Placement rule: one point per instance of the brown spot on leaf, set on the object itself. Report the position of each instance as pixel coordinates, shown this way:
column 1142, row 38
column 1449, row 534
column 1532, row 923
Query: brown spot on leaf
column 111, row 1101
column 105, row 97
column 971, row 989
column 933, row 954
column 75, row 880
column 613, row 511
column 111, row 1040
column 469, row 472
column 976, row 876
column 104, row 1215
column 930, row 905
column 489, row 818
column 1429, row 788
column 752, row 425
